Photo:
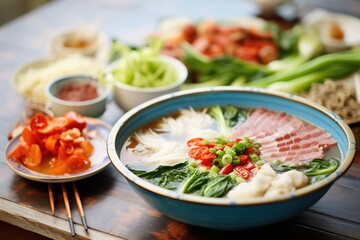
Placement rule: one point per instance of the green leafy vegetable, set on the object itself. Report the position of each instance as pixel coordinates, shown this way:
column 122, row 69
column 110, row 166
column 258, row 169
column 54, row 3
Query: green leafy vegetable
column 317, row 169
column 320, row 167
column 165, row 176
column 227, row 117
column 195, row 182
column 203, row 183
column 218, row 187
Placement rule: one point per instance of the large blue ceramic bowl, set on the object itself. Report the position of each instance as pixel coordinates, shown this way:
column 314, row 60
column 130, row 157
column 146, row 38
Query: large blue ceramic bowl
column 223, row 213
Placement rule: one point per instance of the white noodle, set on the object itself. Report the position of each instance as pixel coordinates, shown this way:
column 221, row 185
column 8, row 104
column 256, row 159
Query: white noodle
column 161, row 150
column 190, row 123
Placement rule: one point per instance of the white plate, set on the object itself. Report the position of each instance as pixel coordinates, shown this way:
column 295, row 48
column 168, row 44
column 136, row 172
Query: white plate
column 98, row 133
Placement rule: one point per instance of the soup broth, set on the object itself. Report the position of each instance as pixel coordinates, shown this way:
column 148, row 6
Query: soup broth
column 229, row 149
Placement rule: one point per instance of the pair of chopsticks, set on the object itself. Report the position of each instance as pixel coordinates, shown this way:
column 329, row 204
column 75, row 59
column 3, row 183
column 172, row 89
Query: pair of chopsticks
column 67, row 206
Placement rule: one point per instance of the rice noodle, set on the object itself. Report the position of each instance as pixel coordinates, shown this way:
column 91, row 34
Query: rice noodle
column 161, row 150
column 190, row 123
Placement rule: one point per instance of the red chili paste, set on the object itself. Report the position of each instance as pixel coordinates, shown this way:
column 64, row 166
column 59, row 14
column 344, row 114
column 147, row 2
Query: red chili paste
column 78, row 92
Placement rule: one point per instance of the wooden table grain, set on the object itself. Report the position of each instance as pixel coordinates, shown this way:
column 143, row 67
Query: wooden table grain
column 113, row 210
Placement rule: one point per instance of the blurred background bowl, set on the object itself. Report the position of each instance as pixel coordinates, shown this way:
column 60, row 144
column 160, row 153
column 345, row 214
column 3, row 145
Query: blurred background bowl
column 223, row 213
column 31, row 79
column 86, row 85
column 337, row 31
column 85, row 40
column 128, row 97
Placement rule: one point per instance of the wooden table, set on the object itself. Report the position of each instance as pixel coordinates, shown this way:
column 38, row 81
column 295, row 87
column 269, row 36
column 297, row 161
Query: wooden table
column 113, row 210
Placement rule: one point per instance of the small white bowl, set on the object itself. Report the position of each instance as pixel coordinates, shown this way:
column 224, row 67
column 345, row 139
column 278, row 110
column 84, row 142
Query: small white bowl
column 31, row 79
column 128, row 97
column 85, row 41
column 90, row 108
column 325, row 22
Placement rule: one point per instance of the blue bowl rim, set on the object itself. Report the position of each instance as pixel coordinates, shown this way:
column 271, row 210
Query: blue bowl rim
column 132, row 178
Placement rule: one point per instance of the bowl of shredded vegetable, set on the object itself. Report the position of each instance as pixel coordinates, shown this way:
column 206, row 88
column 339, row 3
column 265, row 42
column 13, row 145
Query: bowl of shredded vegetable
column 143, row 74
column 151, row 78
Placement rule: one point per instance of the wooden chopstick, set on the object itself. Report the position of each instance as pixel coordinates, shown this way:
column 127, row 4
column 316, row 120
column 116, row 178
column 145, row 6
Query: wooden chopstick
column 79, row 205
column 51, row 198
column 68, row 210
column 67, row 206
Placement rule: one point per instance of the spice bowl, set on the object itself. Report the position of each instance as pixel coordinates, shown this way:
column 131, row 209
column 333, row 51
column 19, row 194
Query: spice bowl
column 80, row 93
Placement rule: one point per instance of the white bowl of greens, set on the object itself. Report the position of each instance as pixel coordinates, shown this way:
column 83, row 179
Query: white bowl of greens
column 143, row 74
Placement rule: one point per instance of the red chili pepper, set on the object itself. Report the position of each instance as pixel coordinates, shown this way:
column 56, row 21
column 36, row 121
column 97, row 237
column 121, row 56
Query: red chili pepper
column 227, row 169
column 249, row 150
column 207, row 157
column 202, row 153
column 196, row 151
column 195, row 142
column 243, row 159
column 206, row 165
column 242, row 172
column 249, row 166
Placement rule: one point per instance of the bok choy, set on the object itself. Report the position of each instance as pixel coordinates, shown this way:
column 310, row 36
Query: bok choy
column 188, row 179
column 316, row 169
column 333, row 65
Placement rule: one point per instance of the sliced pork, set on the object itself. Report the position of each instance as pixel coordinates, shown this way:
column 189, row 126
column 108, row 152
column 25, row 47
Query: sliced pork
column 284, row 137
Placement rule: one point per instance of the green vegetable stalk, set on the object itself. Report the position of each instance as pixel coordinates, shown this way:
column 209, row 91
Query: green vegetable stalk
column 347, row 59
column 307, row 46
column 226, row 117
column 303, row 83
column 218, row 71
column 195, row 182
column 143, row 67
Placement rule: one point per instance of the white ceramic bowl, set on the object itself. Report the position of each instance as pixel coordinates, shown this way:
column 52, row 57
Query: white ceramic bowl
column 31, row 79
column 76, row 40
column 325, row 22
column 90, row 108
column 128, row 97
